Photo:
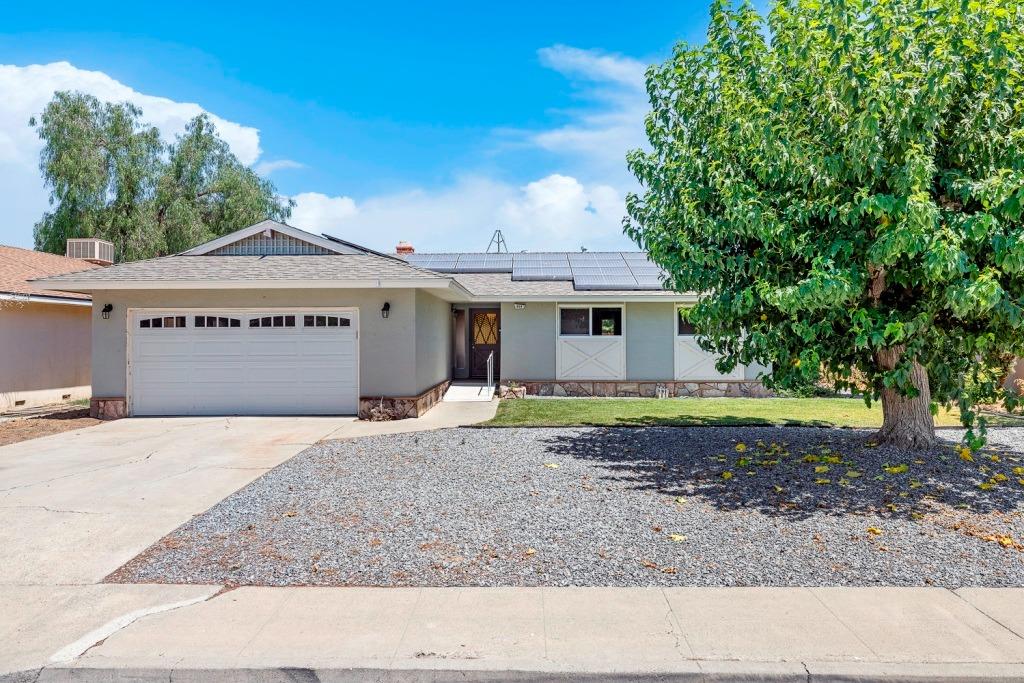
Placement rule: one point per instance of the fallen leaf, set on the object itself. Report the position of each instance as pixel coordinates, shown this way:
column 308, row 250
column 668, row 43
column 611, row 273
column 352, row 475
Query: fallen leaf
column 874, row 531
column 779, row 489
column 852, row 474
column 822, row 481
column 741, row 447
column 821, row 469
column 680, row 500
column 985, row 485
column 552, row 465
column 914, row 484
column 895, row 469
column 1018, row 471
column 668, row 570
column 727, row 475
column 965, row 454
column 999, row 476
column 678, row 538
column 995, row 458
column 530, row 551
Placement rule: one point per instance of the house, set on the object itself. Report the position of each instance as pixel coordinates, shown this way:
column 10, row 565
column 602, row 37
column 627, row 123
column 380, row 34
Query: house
column 44, row 333
column 274, row 320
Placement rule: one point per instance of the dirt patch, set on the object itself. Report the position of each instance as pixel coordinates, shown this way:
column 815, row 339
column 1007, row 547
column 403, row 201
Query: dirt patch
column 62, row 420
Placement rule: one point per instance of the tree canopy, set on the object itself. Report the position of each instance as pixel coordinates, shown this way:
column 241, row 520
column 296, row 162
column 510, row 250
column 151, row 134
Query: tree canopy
column 843, row 181
column 112, row 176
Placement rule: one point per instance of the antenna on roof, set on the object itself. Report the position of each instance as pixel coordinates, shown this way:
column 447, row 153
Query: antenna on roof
column 498, row 243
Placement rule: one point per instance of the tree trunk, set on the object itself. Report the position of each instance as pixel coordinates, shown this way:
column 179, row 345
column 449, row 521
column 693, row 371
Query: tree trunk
column 907, row 422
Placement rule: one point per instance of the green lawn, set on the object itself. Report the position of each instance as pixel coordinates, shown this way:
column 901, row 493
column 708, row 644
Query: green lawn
column 817, row 412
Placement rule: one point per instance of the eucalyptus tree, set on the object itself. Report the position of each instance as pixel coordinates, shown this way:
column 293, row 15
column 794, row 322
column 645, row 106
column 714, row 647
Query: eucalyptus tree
column 111, row 176
column 843, row 181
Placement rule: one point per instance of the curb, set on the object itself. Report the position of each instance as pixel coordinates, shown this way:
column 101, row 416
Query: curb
column 689, row 671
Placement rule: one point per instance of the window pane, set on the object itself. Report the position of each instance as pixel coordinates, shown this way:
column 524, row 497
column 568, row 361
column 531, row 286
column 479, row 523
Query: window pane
column 321, row 321
column 180, row 321
column 685, row 327
column 289, row 321
column 144, row 323
column 200, row 321
column 169, row 321
column 344, row 322
column 574, row 321
column 235, row 322
column 278, row 321
column 607, row 322
column 158, row 322
column 255, row 322
column 307, row 321
column 332, row 321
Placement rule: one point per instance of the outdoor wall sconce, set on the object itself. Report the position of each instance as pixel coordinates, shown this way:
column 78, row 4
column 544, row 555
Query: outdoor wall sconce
column 105, row 312
column 385, row 310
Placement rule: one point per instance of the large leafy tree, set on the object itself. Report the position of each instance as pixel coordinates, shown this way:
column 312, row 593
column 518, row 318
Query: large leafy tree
column 111, row 176
column 843, row 181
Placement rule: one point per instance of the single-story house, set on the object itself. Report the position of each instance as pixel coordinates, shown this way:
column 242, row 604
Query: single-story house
column 45, row 334
column 274, row 320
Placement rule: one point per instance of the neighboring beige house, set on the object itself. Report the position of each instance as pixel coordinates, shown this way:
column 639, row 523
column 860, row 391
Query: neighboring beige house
column 274, row 320
column 45, row 335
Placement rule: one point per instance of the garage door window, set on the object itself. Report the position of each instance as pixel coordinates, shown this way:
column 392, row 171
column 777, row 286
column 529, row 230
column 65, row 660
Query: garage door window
column 217, row 321
column 167, row 321
column 273, row 321
column 325, row 321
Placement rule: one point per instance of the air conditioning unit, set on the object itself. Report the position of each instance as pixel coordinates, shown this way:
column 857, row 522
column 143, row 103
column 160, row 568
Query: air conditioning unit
column 100, row 252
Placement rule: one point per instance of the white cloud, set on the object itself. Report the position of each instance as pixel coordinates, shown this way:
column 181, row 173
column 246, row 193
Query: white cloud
column 582, row 205
column 554, row 212
column 267, row 167
column 316, row 212
column 27, row 89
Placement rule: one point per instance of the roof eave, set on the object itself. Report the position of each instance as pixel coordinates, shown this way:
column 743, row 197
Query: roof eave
column 44, row 299
column 86, row 286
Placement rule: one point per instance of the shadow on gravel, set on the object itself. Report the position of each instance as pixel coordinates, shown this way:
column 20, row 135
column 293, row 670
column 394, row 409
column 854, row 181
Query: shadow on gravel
column 806, row 472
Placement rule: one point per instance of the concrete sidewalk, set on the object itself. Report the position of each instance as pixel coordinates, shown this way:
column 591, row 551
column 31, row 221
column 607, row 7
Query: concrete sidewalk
column 741, row 634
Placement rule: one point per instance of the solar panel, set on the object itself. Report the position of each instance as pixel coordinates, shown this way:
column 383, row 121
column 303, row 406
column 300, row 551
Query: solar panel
column 521, row 273
column 439, row 262
column 484, row 263
column 603, row 281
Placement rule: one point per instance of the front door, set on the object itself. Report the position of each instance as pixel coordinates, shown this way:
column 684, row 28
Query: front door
column 484, row 338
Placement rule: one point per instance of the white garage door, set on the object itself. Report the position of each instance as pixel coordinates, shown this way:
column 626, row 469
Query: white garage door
column 251, row 362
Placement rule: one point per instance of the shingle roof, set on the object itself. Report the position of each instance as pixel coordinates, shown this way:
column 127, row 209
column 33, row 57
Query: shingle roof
column 328, row 267
column 502, row 284
column 18, row 266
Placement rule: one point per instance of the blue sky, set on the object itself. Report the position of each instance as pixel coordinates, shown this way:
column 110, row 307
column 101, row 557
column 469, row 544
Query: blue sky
column 430, row 122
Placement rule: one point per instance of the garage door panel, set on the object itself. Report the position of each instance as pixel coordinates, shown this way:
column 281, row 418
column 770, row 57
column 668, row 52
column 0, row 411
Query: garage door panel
column 243, row 369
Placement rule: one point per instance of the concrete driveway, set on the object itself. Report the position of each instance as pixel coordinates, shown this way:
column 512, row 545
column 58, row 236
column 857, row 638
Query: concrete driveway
column 77, row 505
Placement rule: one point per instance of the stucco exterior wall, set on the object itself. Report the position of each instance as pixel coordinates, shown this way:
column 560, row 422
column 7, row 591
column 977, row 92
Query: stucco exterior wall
column 650, row 340
column 433, row 340
column 387, row 348
column 45, row 353
column 528, row 341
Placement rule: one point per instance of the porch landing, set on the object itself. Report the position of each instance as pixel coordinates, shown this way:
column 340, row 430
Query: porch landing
column 468, row 391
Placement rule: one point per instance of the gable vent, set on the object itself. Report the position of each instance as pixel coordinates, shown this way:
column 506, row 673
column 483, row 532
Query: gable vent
column 269, row 243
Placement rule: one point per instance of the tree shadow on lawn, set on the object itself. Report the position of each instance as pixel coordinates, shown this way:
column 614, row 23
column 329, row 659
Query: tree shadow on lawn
column 717, row 421
column 799, row 472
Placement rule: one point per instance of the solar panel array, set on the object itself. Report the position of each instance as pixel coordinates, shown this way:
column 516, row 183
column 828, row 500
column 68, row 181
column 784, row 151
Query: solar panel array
column 586, row 270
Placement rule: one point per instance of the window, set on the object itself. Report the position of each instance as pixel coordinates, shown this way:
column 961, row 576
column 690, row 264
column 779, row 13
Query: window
column 606, row 322
column 325, row 321
column 217, row 321
column 574, row 321
column 594, row 322
column 167, row 321
column 683, row 326
column 273, row 321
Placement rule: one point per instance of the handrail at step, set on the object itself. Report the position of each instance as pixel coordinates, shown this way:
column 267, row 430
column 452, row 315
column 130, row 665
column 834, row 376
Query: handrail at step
column 490, row 374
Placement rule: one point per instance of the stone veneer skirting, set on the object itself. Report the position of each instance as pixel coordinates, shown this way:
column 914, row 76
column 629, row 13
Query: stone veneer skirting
column 404, row 406
column 648, row 389
column 108, row 408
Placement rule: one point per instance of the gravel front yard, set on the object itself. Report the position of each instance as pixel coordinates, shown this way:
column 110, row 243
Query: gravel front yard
column 625, row 507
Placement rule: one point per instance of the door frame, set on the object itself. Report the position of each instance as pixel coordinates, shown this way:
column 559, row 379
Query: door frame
column 132, row 311
column 469, row 329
